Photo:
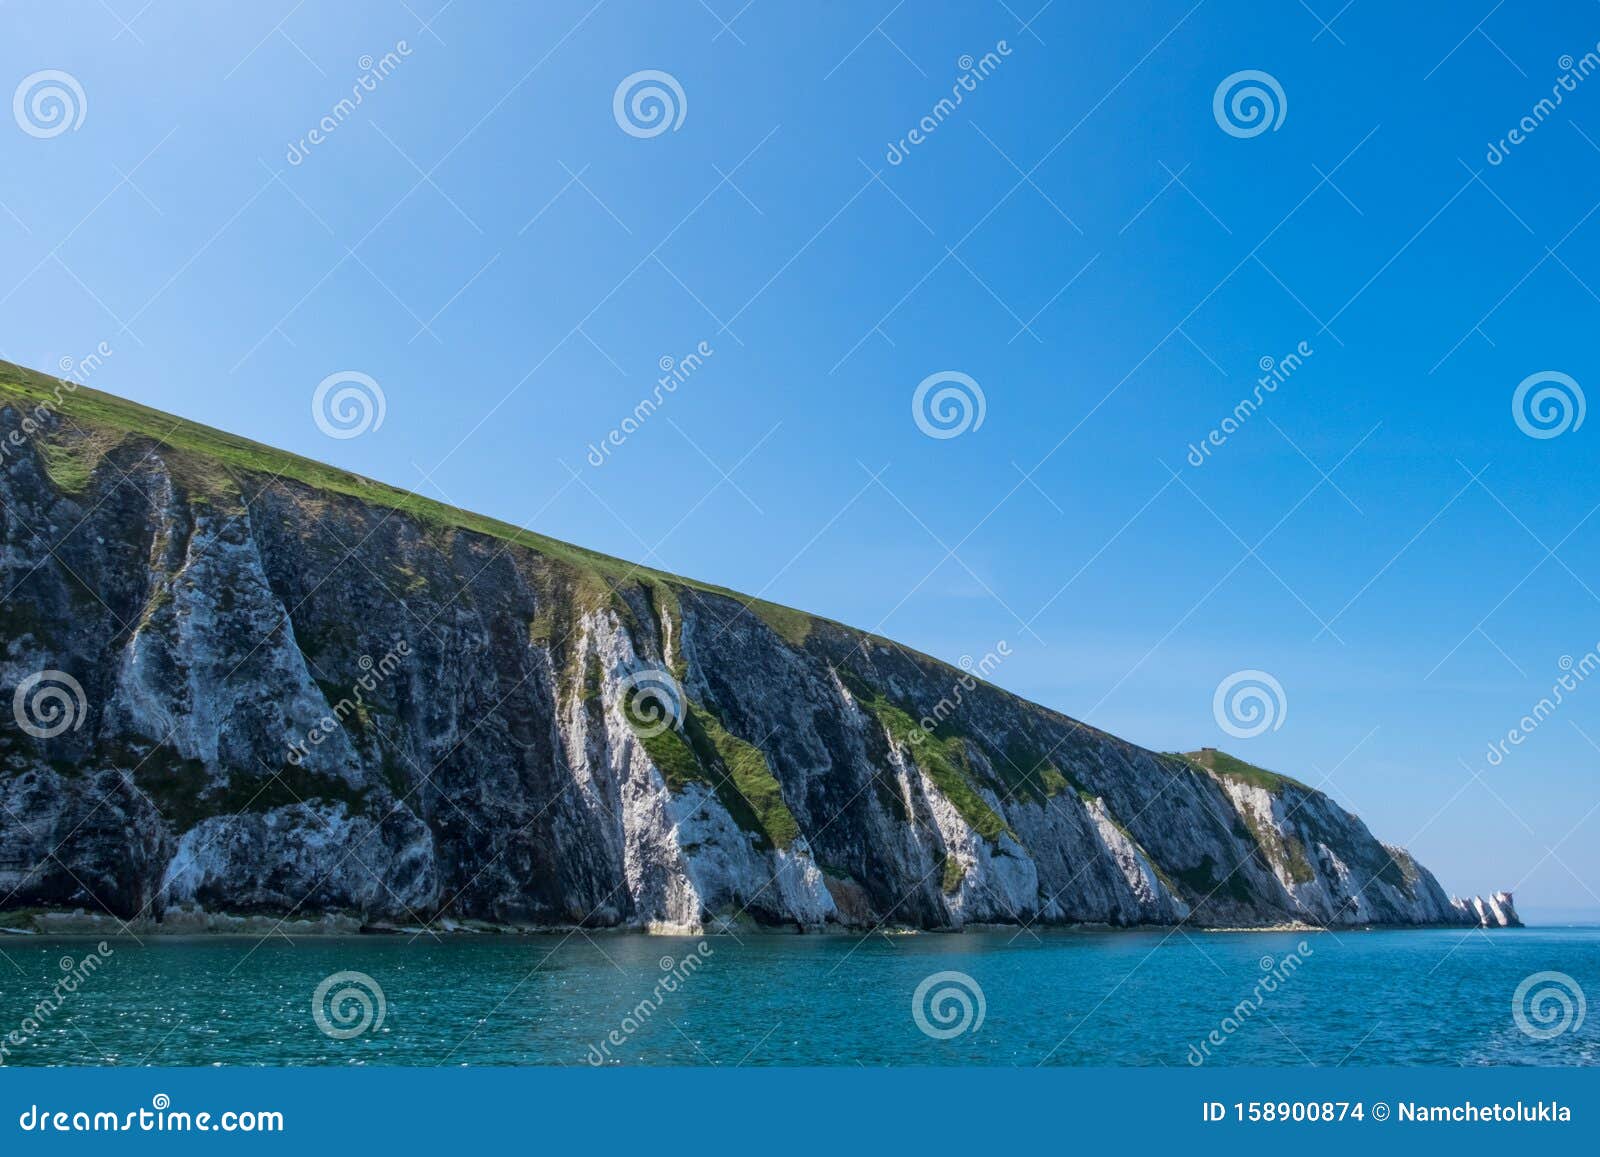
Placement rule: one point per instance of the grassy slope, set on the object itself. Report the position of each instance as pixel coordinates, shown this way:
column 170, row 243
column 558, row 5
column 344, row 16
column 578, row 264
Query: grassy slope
column 1287, row 849
column 1232, row 767
column 210, row 456
column 215, row 460
column 212, row 463
column 102, row 417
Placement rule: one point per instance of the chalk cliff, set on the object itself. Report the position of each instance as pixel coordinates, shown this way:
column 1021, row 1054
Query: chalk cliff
column 240, row 682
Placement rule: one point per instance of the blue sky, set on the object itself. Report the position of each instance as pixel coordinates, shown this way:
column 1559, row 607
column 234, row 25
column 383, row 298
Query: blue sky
column 1080, row 236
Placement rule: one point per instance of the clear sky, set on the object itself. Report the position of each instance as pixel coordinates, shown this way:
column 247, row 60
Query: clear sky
column 1081, row 236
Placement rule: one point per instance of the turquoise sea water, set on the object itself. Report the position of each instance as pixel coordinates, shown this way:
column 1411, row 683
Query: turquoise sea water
column 1431, row 997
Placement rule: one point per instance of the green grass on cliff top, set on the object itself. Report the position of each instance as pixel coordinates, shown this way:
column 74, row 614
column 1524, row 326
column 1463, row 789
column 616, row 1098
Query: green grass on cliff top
column 96, row 414
column 1233, row 767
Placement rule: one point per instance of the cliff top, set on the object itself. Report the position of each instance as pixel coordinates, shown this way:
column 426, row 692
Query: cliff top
column 97, row 413
column 213, row 459
column 1232, row 767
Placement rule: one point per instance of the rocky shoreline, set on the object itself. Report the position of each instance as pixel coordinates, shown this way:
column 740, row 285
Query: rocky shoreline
column 200, row 924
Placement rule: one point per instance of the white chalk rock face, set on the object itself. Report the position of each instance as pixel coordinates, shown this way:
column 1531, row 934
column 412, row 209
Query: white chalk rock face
column 312, row 856
column 342, row 703
column 1493, row 911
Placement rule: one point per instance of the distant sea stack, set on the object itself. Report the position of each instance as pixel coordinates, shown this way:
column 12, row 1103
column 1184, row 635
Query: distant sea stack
column 1496, row 912
column 240, row 685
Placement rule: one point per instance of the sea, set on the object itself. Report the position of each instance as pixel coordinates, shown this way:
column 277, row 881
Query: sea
column 1003, row 997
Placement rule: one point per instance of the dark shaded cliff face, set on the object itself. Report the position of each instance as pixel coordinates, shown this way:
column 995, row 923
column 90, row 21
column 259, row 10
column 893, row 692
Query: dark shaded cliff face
column 241, row 682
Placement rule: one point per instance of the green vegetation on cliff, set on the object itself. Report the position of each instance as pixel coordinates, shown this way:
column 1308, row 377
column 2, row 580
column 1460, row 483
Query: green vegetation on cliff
column 1232, row 767
column 1288, row 850
column 942, row 758
column 95, row 423
column 1031, row 776
column 703, row 751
